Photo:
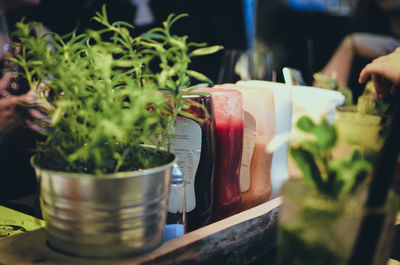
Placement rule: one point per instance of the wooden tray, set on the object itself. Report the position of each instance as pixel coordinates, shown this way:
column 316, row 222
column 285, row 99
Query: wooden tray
column 245, row 238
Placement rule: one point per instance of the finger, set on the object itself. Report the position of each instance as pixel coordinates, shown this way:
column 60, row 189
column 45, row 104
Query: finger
column 34, row 103
column 377, row 84
column 29, row 98
column 43, row 85
column 5, row 81
column 386, row 85
column 35, row 127
column 365, row 74
column 370, row 69
column 381, row 85
column 33, row 99
column 37, row 115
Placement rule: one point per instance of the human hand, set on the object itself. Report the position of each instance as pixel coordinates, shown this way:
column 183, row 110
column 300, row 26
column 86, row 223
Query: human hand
column 372, row 45
column 385, row 73
column 34, row 112
column 14, row 115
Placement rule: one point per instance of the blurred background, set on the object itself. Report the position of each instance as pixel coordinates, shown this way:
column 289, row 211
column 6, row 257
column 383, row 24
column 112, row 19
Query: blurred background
column 260, row 36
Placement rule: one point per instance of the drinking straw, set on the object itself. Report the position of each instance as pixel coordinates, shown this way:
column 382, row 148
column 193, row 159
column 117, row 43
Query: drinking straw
column 372, row 223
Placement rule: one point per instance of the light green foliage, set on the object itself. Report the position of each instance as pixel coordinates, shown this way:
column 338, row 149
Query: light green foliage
column 369, row 103
column 108, row 96
column 332, row 178
column 329, row 83
column 365, row 104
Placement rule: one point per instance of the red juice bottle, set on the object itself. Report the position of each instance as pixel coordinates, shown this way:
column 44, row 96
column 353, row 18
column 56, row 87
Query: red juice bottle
column 228, row 112
column 259, row 129
column 194, row 145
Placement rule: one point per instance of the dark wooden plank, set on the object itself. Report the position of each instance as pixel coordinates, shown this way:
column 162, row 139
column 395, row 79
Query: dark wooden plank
column 244, row 238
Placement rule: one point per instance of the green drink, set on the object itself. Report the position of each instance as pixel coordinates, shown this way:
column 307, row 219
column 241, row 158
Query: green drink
column 315, row 229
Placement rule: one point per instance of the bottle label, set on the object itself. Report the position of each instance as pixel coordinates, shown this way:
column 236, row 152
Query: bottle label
column 249, row 139
column 187, row 147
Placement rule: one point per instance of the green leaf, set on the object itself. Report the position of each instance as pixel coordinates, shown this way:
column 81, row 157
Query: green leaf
column 198, row 76
column 206, row 50
column 180, row 43
column 311, row 147
column 306, row 124
column 347, row 93
column 11, row 59
column 326, row 135
column 104, row 15
column 122, row 23
column 190, row 116
column 365, row 104
column 172, row 18
column 306, row 163
column 200, row 85
column 381, row 107
column 156, row 36
column 351, row 171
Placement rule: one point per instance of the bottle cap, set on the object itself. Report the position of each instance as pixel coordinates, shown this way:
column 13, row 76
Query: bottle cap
column 177, row 175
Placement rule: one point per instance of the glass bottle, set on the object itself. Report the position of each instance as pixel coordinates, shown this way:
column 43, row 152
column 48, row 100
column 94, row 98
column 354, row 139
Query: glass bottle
column 194, row 145
column 228, row 112
column 283, row 123
column 259, row 129
column 176, row 217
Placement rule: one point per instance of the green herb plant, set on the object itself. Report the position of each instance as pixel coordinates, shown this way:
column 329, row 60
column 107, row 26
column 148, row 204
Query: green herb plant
column 108, row 96
column 331, row 177
column 329, row 83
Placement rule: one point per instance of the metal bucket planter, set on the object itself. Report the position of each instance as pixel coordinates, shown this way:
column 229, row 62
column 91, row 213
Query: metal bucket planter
column 117, row 215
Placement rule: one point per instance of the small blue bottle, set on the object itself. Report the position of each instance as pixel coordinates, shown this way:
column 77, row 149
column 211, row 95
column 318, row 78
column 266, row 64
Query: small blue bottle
column 176, row 217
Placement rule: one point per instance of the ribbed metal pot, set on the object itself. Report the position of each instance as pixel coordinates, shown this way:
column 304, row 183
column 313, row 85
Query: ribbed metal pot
column 111, row 216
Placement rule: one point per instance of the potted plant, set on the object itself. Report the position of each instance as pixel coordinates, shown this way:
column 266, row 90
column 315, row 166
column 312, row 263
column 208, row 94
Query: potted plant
column 113, row 100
